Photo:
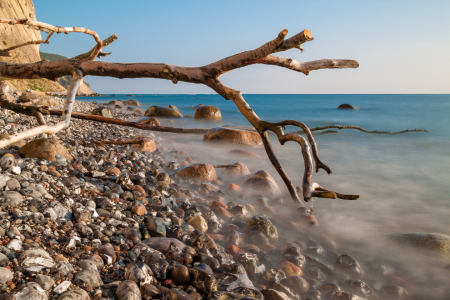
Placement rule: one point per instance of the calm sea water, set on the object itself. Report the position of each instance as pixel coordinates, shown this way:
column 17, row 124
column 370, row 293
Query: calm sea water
column 403, row 180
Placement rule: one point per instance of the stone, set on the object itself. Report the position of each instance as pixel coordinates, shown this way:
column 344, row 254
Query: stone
column 203, row 172
column 150, row 121
column 262, row 182
column 158, row 111
column 108, row 250
column 138, row 210
column 44, row 149
column 102, row 111
column 12, row 198
column 62, row 287
column 234, row 188
column 4, row 260
column 208, row 112
column 199, row 223
column 19, row 143
column 140, row 273
column 28, row 291
column 148, row 145
column 88, row 278
column 290, row 269
column 36, row 257
column 128, row 290
column 13, row 184
column 233, row 136
column 131, row 102
column 262, row 224
column 75, row 294
column 246, row 154
column 348, row 265
column 180, row 274
column 347, row 106
column 5, row 275
column 37, row 99
column 3, row 180
column 429, row 243
column 238, row 171
column 162, row 244
column 46, row 282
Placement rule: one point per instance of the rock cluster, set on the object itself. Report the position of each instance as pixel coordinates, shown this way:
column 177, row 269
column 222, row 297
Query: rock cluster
column 125, row 223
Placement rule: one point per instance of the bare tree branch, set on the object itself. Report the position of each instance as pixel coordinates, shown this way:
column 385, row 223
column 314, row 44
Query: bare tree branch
column 207, row 75
column 106, row 42
column 365, row 130
column 50, row 29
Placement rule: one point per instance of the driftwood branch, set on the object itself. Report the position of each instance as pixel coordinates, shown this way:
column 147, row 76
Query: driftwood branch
column 209, row 76
column 106, row 42
column 50, row 29
column 365, row 130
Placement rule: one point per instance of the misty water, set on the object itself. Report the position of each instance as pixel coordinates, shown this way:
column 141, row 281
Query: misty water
column 403, row 180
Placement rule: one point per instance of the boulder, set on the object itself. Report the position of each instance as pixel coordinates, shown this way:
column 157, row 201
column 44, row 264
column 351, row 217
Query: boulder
column 38, row 99
column 19, row 143
column 431, row 243
column 203, row 172
column 262, row 182
column 44, row 149
column 131, row 102
column 147, row 146
column 150, row 121
column 102, row 111
column 75, row 294
column 243, row 153
column 173, row 107
column 346, row 106
column 233, row 136
column 208, row 112
column 239, row 170
column 158, row 111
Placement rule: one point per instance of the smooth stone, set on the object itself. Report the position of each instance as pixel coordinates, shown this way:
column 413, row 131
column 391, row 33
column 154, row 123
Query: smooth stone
column 199, row 223
column 46, row 282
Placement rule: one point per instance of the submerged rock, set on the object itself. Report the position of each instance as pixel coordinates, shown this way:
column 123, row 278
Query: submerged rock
column 150, row 121
column 233, row 136
column 158, row 111
column 202, row 172
column 208, row 112
column 346, row 106
column 262, row 182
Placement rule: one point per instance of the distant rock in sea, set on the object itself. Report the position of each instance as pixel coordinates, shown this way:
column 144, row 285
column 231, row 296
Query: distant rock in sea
column 347, row 106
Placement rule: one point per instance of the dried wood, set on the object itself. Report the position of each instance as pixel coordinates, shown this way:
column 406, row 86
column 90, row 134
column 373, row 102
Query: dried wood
column 209, row 76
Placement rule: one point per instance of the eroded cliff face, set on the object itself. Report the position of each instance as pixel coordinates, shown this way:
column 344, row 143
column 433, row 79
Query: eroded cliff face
column 11, row 35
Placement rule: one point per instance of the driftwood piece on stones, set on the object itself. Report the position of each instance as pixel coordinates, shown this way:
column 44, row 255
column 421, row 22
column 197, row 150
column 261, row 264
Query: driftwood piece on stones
column 207, row 75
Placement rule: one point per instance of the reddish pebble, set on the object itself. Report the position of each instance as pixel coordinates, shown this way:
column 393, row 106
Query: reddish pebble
column 215, row 204
column 234, row 188
column 190, row 160
column 223, row 213
column 215, row 198
column 185, row 163
column 217, row 237
column 233, row 250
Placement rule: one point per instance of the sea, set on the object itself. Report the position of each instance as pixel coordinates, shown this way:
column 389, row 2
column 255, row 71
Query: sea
column 403, row 179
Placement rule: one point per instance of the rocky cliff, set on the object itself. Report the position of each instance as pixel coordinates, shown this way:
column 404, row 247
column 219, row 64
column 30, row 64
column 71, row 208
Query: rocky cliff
column 13, row 35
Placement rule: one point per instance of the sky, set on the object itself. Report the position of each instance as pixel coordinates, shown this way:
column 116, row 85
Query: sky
column 403, row 47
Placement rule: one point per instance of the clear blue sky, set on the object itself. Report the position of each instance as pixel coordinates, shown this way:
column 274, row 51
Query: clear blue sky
column 402, row 46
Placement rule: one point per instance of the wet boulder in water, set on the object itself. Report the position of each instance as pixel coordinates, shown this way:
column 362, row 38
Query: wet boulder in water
column 202, row 172
column 263, row 225
column 393, row 292
column 284, row 289
column 158, row 111
column 44, row 149
column 245, row 154
column 233, row 136
column 262, row 182
column 347, row 106
column 297, row 284
column 238, row 170
column 208, row 112
column 273, row 275
column 180, row 274
column 294, row 255
column 102, row 111
column 348, row 265
column 131, row 102
column 150, row 121
column 148, row 145
column 271, row 294
column 360, row 288
column 329, row 289
column 429, row 243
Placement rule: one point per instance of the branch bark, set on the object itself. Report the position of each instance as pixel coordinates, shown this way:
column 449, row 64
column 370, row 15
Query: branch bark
column 209, row 76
